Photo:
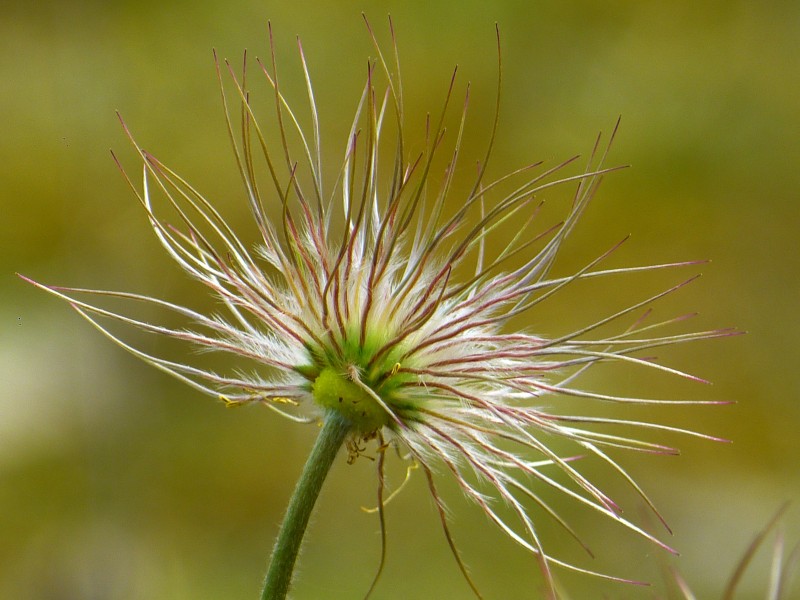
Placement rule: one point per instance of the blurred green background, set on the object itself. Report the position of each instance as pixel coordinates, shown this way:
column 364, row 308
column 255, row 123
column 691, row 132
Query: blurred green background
column 117, row 482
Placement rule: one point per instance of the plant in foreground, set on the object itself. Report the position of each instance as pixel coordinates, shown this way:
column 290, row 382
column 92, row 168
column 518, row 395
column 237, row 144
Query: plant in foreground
column 377, row 303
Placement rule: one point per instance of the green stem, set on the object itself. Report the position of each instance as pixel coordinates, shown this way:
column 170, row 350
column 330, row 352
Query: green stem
column 331, row 437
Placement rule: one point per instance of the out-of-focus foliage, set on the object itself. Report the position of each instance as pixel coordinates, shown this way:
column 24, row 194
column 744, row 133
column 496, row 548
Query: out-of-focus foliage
column 116, row 482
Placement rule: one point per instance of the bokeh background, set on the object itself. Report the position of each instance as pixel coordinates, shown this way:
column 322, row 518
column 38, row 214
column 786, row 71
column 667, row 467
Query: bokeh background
column 117, row 482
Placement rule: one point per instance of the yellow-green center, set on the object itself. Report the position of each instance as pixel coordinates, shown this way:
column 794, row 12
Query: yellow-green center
column 335, row 391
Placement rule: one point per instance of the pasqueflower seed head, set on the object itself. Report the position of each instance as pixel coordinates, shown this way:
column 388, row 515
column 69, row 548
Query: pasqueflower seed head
column 384, row 291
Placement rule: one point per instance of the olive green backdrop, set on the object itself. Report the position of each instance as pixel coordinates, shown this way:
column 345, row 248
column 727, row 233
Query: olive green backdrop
column 117, row 482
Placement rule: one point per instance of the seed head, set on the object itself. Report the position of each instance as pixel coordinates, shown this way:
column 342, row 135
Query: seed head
column 385, row 290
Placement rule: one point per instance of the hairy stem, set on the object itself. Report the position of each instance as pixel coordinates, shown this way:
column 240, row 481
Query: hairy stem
column 284, row 555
